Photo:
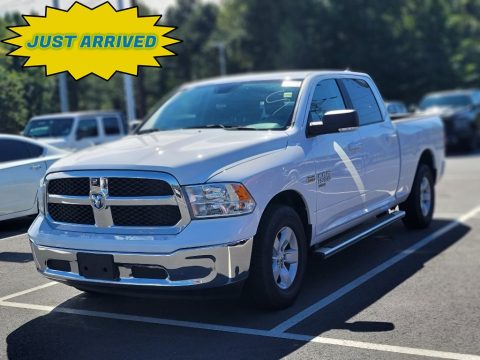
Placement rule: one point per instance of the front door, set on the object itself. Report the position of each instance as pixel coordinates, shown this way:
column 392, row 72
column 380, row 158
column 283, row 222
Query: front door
column 338, row 162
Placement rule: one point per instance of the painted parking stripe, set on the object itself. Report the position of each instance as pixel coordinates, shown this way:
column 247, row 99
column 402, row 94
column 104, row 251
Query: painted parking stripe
column 20, row 293
column 13, row 237
column 248, row 331
column 296, row 319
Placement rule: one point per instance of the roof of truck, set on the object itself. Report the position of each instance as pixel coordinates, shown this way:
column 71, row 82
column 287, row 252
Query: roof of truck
column 274, row 75
column 76, row 114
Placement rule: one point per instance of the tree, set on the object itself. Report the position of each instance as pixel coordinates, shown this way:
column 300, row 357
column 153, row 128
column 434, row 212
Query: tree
column 13, row 107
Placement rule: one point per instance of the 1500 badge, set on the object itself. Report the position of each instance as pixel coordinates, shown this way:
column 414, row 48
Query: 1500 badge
column 323, row 177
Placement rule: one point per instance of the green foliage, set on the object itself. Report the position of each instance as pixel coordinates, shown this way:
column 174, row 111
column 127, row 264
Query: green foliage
column 408, row 46
column 13, row 106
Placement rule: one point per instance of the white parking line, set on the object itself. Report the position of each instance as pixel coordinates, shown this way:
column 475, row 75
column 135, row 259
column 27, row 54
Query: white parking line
column 20, row 293
column 12, row 237
column 296, row 319
column 279, row 331
column 247, row 331
column 382, row 347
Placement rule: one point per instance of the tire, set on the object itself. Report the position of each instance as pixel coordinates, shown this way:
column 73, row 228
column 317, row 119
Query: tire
column 418, row 217
column 279, row 222
column 470, row 144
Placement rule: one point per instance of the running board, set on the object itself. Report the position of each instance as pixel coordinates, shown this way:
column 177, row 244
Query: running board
column 353, row 236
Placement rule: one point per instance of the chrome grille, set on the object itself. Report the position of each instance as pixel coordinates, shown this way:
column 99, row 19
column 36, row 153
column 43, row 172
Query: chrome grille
column 154, row 215
column 70, row 186
column 119, row 199
column 138, row 187
column 76, row 214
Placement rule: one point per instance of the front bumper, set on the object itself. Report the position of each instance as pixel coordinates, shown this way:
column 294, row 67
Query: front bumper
column 193, row 268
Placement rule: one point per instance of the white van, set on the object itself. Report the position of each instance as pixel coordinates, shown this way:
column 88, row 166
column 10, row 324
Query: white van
column 78, row 130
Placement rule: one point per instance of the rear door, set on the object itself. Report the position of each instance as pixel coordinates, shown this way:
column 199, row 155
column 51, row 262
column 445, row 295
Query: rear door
column 378, row 143
column 21, row 170
column 338, row 164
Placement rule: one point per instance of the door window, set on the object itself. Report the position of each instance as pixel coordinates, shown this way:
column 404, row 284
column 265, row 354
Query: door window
column 327, row 97
column 363, row 101
column 13, row 150
column 87, row 128
column 35, row 150
column 111, row 126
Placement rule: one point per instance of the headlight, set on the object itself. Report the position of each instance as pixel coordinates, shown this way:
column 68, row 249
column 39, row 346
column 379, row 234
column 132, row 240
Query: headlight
column 220, row 199
column 41, row 197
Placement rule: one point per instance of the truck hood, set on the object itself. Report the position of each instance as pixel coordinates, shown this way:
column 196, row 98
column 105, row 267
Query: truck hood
column 192, row 156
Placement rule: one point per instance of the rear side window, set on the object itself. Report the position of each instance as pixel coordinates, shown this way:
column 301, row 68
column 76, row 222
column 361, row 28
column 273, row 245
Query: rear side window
column 35, row 150
column 87, row 128
column 111, row 125
column 363, row 101
column 13, row 150
column 327, row 97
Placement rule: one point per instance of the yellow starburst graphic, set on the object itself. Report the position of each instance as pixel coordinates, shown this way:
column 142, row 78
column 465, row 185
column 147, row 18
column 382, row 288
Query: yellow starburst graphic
column 83, row 41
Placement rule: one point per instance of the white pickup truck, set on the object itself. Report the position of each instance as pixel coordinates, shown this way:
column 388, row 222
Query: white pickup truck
column 232, row 181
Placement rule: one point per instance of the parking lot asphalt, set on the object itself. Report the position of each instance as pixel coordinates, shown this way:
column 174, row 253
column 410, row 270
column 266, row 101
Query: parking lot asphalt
column 396, row 295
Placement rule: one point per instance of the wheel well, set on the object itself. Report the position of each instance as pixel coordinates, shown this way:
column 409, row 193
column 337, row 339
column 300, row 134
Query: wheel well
column 427, row 159
column 294, row 200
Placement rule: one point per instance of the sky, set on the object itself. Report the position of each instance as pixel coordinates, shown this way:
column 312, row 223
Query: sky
column 26, row 6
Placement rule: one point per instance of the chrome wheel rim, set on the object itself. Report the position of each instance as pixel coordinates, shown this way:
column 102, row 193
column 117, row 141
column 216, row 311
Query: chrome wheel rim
column 425, row 196
column 285, row 258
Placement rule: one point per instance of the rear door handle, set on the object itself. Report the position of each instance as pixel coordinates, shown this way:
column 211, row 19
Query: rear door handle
column 36, row 167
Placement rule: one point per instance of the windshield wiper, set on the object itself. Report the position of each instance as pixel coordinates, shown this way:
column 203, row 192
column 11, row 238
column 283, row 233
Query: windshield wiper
column 209, row 126
column 244, row 128
column 221, row 126
column 147, row 131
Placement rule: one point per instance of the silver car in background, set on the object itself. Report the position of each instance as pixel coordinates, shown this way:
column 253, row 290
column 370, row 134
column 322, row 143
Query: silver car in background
column 23, row 163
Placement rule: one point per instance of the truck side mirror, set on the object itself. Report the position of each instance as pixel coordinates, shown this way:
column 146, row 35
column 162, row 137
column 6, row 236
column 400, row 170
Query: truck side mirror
column 333, row 122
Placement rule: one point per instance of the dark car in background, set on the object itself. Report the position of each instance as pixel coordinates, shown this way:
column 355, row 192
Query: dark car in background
column 460, row 112
column 396, row 107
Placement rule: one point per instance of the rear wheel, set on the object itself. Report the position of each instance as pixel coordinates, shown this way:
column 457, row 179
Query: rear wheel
column 421, row 202
column 279, row 258
column 470, row 143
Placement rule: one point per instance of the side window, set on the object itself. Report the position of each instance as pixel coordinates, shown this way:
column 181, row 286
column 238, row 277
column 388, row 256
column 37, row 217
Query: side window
column 363, row 101
column 35, row 150
column 87, row 128
column 326, row 97
column 111, row 125
column 13, row 150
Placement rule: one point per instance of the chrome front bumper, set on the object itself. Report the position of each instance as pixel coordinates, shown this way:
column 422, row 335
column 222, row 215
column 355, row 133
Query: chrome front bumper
column 187, row 268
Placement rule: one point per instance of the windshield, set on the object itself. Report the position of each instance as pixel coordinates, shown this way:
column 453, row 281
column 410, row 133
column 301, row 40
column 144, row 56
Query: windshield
column 251, row 105
column 445, row 101
column 41, row 128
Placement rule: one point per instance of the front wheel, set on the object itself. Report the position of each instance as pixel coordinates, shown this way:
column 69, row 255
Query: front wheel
column 421, row 202
column 279, row 258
